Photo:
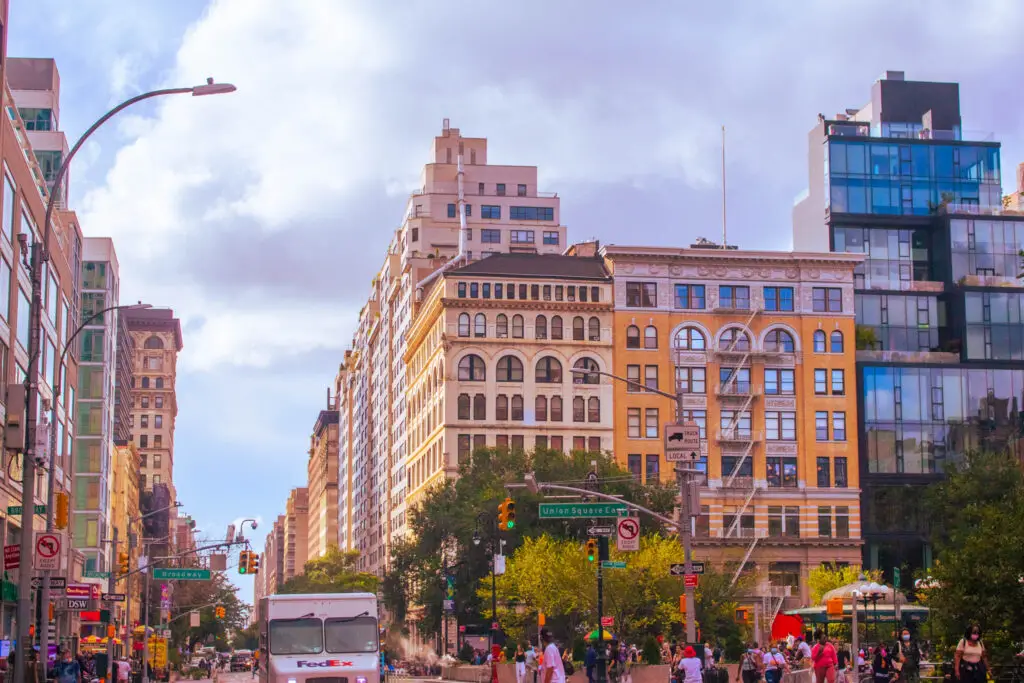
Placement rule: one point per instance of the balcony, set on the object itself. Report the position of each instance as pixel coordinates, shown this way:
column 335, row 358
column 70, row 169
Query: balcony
column 881, row 356
column 738, row 435
column 738, row 390
column 739, row 532
column 738, row 483
column 989, row 281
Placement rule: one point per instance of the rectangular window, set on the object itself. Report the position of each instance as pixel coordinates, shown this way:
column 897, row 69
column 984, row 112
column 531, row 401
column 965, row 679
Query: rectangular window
column 487, row 290
column 821, row 425
column 780, row 426
column 451, row 211
column 521, row 236
column 595, row 294
column 480, row 188
column 651, row 377
column 642, row 294
column 557, row 444
column 827, row 300
column 521, row 190
column 633, row 465
column 781, row 471
column 824, row 521
column 415, row 236
column 633, row 375
column 559, row 292
column 690, row 296
column 490, row 236
column 735, row 425
column 651, row 423
column 546, row 292
column 652, row 468
column 570, row 293
column 735, row 297
column 522, row 292
column 820, row 381
column 579, row 443
column 840, row 473
column 583, row 293
column 535, row 292
column 839, row 426
column 700, row 417
column 550, row 237
column 9, row 200
column 824, row 474
column 464, row 447
column 23, row 320
column 531, row 213
column 842, row 521
column 490, row 211
column 5, row 291
column 594, row 444
column 633, row 423
column 474, row 290
column 501, row 189
column 691, row 380
column 158, row 421
column 462, row 290
column 778, row 298
column 501, row 442
column 838, row 383
column 779, row 382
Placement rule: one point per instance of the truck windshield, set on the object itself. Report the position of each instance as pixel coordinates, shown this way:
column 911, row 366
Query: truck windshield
column 296, row 636
column 352, row 635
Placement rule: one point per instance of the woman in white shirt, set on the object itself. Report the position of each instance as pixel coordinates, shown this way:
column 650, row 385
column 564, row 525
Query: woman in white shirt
column 690, row 666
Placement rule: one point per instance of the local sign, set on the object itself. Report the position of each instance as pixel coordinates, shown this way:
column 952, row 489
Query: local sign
column 114, row 597
column 12, row 556
column 613, row 564
column 682, row 442
column 690, row 580
column 74, row 604
column 56, row 582
column 627, row 535
column 47, row 551
column 599, row 530
column 680, row 569
column 580, row 510
column 607, row 622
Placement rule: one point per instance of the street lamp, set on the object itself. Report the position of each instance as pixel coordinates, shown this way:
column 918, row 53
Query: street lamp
column 482, row 518
column 40, row 255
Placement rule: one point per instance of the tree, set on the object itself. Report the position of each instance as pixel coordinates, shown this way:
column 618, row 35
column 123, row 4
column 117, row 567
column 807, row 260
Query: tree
column 823, row 578
column 246, row 639
column 204, row 596
column 978, row 533
column 333, row 572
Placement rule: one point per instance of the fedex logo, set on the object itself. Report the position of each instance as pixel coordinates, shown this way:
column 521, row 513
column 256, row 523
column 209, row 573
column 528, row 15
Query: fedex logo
column 302, row 663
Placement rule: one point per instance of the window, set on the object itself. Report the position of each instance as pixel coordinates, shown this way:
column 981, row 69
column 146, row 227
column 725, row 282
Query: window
column 144, row 421
column 145, row 399
column 593, row 409
column 734, row 380
column 836, row 342
column 521, row 237
column 159, row 382
column 733, row 296
column 551, row 237
column 779, row 382
column 839, row 426
column 579, row 443
column 588, row 377
column 824, row 521
column 779, row 341
column 535, row 292
column 480, row 325
column 632, row 337
column 500, row 187
column 471, row 369
column 583, row 293
column 521, row 190
column 501, row 326
column 145, row 380
column 827, row 300
column 577, row 328
column 842, row 521
column 650, row 337
column 517, row 326
column 463, row 447
column 487, row 290
column 780, row 426
column 734, row 339
column 840, row 473
column 415, row 235
column 549, row 371
column 690, row 339
column 490, row 236
column 9, row 199
column 594, row 328
column 556, row 326
column 517, row 407
column 651, row 423
column 24, row 325
column 784, row 521
column 540, row 408
column 633, row 423
column 144, row 441
column 819, row 341
column 824, row 475
column 547, row 292
column 510, row 369
column 838, row 383
column 540, row 442
column 778, row 298
column 464, row 324
column 633, row 465
column 556, row 410
column 595, row 294
column 451, row 211
column 579, row 409
column 820, row 381
column 501, row 407
column 474, row 290
column 540, row 327
column 462, row 290
column 5, row 292
column 531, row 213
column 158, row 421
column 570, row 293
column 691, row 380
column 735, row 425
column 479, row 407
column 633, row 375
column 490, row 211
column 690, row 296
column 651, row 377
column 642, row 294
column 463, row 407
column 651, row 463
column 821, row 425
column 781, row 471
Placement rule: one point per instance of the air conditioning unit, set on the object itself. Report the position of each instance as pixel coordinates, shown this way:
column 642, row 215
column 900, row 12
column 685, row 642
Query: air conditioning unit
column 595, row 337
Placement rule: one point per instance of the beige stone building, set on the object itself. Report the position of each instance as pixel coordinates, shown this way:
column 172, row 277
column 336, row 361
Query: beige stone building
column 157, row 336
column 323, row 482
column 296, row 533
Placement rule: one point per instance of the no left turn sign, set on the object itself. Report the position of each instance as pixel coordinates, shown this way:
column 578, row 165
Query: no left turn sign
column 47, row 551
column 628, row 534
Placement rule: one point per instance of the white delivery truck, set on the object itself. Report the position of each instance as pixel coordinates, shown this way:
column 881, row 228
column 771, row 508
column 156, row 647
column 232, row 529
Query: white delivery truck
column 319, row 638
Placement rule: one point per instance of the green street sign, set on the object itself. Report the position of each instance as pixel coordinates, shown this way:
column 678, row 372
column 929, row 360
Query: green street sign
column 16, row 509
column 611, row 564
column 93, row 574
column 181, row 574
column 896, row 577
column 581, row 510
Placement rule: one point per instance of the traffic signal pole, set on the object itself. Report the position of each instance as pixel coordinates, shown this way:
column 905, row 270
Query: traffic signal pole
column 111, row 579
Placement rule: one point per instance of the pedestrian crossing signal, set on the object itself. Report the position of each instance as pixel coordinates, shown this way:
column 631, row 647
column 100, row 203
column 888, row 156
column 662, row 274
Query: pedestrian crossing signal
column 507, row 514
column 591, row 550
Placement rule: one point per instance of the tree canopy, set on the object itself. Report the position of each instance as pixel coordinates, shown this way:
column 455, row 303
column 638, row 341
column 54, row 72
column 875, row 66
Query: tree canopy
column 823, row 578
column 333, row 572
column 204, row 596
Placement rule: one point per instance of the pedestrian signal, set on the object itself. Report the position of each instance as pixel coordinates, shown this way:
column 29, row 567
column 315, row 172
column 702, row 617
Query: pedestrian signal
column 591, row 550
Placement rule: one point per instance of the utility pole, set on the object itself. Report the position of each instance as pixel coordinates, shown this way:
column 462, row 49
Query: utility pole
column 601, row 676
column 128, row 595
column 686, row 507
column 111, row 588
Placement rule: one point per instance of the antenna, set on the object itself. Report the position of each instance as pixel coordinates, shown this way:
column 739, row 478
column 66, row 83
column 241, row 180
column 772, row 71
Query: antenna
column 725, row 241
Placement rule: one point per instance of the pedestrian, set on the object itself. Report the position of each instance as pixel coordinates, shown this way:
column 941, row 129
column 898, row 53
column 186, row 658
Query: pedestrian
column 554, row 670
column 824, row 658
column 749, row 670
column 881, row 665
column 689, row 666
column 123, row 670
column 590, row 661
column 520, row 663
column 970, row 663
column 68, row 670
column 531, row 663
column 774, row 665
column 908, row 655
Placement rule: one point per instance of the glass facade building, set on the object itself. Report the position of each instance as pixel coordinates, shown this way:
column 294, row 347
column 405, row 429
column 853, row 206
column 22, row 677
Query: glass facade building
column 940, row 345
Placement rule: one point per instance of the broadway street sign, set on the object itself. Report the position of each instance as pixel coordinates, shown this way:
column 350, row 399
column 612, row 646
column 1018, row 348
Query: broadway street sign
column 181, row 574
column 581, row 510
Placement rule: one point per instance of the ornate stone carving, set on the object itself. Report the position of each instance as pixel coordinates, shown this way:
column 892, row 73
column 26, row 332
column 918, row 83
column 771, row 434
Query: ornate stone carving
column 780, row 403
column 695, row 402
column 721, row 271
column 691, row 358
column 747, row 273
column 780, row 448
column 792, row 273
column 654, row 269
column 627, row 268
column 814, row 273
column 703, row 271
column 675, row 270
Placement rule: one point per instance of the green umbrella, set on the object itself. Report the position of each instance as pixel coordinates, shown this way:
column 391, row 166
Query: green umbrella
column 593, row 635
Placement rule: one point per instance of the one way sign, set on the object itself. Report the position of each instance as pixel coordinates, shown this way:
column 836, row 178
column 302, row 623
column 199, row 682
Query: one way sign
column 680, row 569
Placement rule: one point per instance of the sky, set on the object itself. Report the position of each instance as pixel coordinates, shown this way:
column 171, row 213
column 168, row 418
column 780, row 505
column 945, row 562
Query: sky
column 260, row 217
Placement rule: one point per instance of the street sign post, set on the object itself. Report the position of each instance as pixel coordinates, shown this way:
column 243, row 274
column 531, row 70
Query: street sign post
column 682, row 442
column 47, row 551
column 56, row 582
column 172, row 574
column 15, row 510
column 627, row 536
column 613, row 564
column 580, row 510
column 93, row 574
column 599, row 530
column 114, row 597
column 680, row 569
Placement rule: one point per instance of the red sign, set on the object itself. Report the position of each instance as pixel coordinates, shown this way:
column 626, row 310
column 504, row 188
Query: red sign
column 608, row 621
column 494, row 626
column 88, row 616
column 12, row 556
column 690, row 580
column 462, row 629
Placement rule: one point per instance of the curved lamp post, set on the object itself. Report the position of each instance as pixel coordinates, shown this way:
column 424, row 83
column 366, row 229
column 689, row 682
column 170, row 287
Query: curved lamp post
column 39, row 256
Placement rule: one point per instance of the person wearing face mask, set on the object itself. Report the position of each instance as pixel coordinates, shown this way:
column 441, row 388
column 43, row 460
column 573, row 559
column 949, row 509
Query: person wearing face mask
column 774, row 665
column 970, row 663
column 907, row 658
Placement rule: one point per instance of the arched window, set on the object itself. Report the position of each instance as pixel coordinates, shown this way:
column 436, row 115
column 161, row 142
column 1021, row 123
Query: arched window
column 731, row 336
column 471, row 369
column 154, row 342
column 501, row 326
column 779, row 341
column 463, row 406
column 549, row 371
column 690, row 339
column 540, row 408
column 463, row 324
column 650, row 337
column 593, row 409
column 836, row 342
column 588, row 364
column 145, row 383
column 632, row 337
column 556, row 408
column 159, row 382
column 595, row 329
column 819, row 341
column 540, row 327
column 517, row 407
column 510, row 369
column 479, row 407
column 577, row 328
column 501, row 407
column 579, row 409
column 480, row 325
column 556, row 327
column 517, row 327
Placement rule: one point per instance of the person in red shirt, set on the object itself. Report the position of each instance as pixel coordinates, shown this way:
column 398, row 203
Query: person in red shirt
column 823, row 656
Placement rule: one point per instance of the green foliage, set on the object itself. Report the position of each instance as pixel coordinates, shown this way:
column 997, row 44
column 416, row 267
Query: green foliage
column 865, row 338
column 202, row 596
column 978, row 532
column 651, row 652
column 823, row 578
column 333, row 572
column 246, row 639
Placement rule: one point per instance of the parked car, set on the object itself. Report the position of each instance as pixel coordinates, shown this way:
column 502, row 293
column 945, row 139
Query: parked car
column 241, row 660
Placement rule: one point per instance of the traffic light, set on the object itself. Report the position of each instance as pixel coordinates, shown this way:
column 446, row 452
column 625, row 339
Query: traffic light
column 591, row 550
column 218, row 612
column 122, row 563
column 243, row 562
column 507, row 514
column 254, row 563
column 61, row 510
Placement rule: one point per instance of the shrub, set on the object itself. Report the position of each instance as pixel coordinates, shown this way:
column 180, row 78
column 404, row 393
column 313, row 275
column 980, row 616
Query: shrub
column 651, row 651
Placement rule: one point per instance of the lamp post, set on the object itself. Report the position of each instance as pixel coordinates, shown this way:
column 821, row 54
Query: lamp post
column 128, row 577
column 44, row 635
column 482, row 517
column 38, row 256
